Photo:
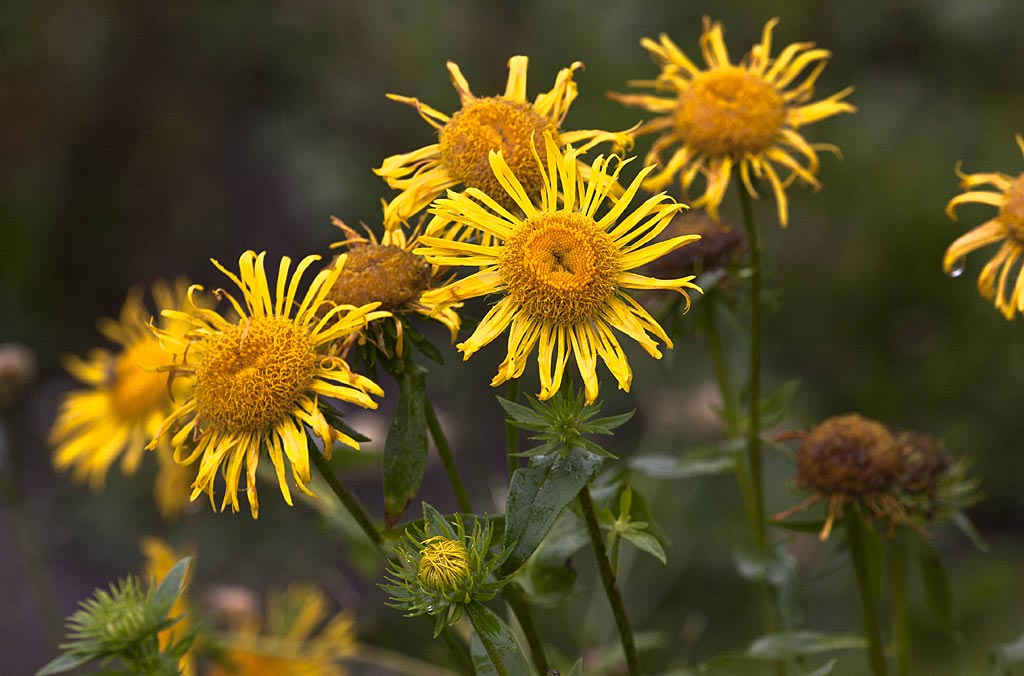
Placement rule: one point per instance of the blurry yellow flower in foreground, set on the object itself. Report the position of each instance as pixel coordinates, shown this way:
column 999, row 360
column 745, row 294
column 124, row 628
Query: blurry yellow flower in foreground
column 125, row 402
column 254, row 382
column 286, row 645
column 1007, row 227
column 160, row 558
column 388, row 272
column 507, row 123
column 563, row 270
column 741, row 117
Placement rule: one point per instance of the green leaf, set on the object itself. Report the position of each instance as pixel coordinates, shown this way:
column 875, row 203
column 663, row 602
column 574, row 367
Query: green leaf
column 170, row 588
column 789, row 644
column 938, row 593
column 64, row 663
column 537, row 495
column 775, row 405
column 550, row 576
column 646, row 542
column 717, row 459
column 577, row 668
column 405, row 450
column 523, row 416
column 422, row 344
column 966, row 526
column 498, row 641
column 824, row 670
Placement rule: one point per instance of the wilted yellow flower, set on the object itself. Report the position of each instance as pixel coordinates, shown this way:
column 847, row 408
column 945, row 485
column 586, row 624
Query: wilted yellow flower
column 998, row 279
column 160, row 558
column 562, row 269
column 734, row 117
column 286, row 645
column 387, row 271
column 126, row 399
column 508, row 123
column 254, row 382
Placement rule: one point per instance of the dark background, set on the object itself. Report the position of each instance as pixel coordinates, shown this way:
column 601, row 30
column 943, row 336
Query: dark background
column 139, row 139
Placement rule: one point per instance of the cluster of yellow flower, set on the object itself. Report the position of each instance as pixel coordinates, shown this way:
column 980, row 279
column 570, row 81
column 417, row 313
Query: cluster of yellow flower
column 549, row 234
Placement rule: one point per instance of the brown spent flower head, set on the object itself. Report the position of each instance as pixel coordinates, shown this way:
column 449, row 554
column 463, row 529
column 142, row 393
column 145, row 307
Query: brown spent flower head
column 380, row 272
column 849, row 455
column 719, row 245
column 924, row 461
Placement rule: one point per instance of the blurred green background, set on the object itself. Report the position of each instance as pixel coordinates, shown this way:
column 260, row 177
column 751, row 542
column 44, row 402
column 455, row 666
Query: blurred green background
column 139, row 139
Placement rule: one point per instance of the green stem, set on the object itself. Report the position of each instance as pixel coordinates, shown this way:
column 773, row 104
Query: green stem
column 754, row 394
column 611, row 587
column 900, row 604
column 458, row 651
column 521, row 608
column 614, row 556
column 511, row 431
column 447, row 459
column 753, row 475
column 348, row 500
column 869, row 610
column 718, row 362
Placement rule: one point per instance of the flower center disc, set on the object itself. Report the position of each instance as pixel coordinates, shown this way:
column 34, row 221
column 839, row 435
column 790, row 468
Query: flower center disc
column 253, row 374
column 729, row 112
column 388, row 274
column 560, row 267
column 494, row 123
column 1012, row 211
column 134, row 391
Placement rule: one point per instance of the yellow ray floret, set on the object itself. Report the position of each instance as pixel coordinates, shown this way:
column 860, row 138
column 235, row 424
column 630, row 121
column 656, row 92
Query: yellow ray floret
column 1002, row 278
column 563, row 270
column 255, row 378
column 125, row 399
column 507, row 123
column 734, row 117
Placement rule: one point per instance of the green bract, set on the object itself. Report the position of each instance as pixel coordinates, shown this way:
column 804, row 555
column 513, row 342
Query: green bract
column 439, row 568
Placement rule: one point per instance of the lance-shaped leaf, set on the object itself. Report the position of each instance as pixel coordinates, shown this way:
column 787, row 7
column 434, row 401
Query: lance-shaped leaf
column 537, row 495
column 405, row 450
column 493, row 646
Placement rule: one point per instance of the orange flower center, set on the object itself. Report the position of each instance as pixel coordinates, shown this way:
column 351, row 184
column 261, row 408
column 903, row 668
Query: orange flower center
column 136, row 392
column 729, row 112
column 384, row 273
column 560, row 267
column 252, row 375
column 494, row 123
column 1011, row 214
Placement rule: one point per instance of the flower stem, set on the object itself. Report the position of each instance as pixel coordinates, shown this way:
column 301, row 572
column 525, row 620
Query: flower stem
column 348, row 500
column 458, row 651
column 521, row 608
column 869, row 611
column 718, row 361
column 754, row 393
column 611, row 587
column 511, row 431
column 900, row 604
column 447, row 459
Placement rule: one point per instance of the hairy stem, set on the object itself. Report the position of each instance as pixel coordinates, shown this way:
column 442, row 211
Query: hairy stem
column 348, row 500
column 611, row 587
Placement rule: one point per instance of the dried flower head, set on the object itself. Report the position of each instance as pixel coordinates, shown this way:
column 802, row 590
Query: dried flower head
column 719, row 245
column 849, row 458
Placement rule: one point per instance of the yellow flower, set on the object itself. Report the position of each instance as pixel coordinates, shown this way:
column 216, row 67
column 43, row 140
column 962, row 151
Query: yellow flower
column 729, row 117
column 160, row 558
column 444, row 565
column 125, row 401
column 254, row 382
column 1007, row 227
column 388, row 272
column 286, row 646
column 507, row 123
column 562, row 270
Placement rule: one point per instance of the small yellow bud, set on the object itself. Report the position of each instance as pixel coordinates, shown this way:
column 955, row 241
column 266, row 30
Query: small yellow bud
column 444, row 564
